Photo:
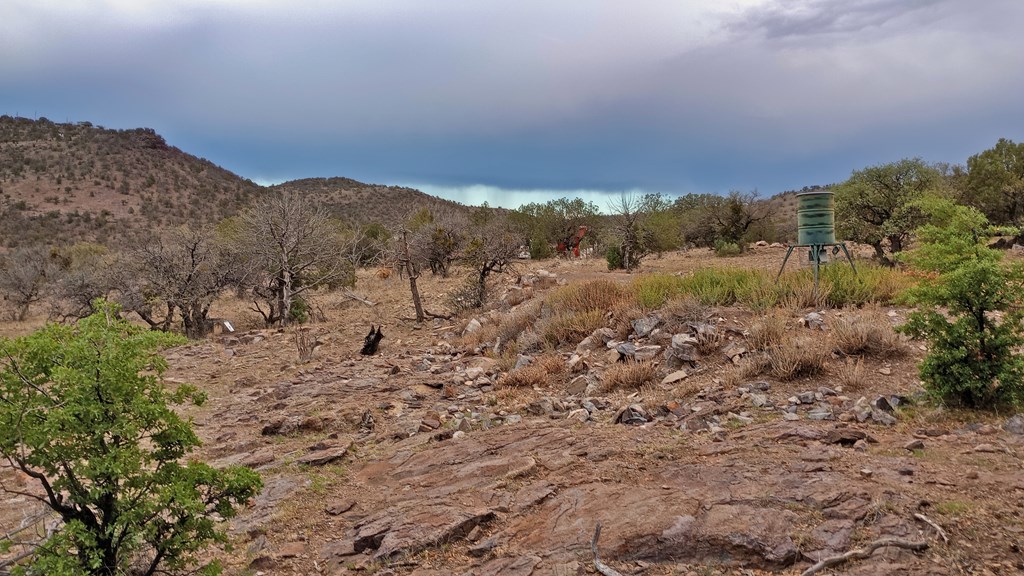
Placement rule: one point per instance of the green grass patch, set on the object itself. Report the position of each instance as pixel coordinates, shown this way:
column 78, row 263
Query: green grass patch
column 652, row 291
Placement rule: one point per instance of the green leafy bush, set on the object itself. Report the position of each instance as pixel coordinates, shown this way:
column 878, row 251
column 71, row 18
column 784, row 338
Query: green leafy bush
column 84, row 412
column 725, row 249
column 614, row 257
column 970, row 314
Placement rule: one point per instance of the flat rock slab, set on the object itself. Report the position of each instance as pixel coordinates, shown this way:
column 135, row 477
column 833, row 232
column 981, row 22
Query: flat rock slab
column 734, row 535
column 521, row 566
column 406, row 530
column 325, row 456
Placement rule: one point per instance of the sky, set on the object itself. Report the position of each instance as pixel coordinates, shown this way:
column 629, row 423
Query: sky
column 513, row 102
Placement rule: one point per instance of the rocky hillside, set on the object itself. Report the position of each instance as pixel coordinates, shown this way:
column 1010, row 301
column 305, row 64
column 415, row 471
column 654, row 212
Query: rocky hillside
column 78, row 181
column 67, row 182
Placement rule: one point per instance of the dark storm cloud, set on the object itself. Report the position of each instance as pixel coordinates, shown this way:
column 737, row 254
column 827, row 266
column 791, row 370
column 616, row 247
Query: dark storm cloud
column 575, row 95
column 819, row 17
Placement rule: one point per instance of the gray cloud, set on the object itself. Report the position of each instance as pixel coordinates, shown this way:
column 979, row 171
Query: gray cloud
column 823, row 17
column 663, row 95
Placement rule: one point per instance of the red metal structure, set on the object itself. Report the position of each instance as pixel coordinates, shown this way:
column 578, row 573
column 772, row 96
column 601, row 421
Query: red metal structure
column 573, row 243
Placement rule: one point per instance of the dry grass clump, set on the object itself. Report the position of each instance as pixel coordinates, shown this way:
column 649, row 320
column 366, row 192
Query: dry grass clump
column 709, row 342
column 684, row 309
column 586, row 296
column 750, row 367
column 769, row 331
column 867, row 331
column 518, row 320
column 306, row 343
column 570, row 327
column 798, row 357
column 622, row 315
column 629, row 375
column 800, row 296
column 851, row 375
column 486, row 333
column 546, row 370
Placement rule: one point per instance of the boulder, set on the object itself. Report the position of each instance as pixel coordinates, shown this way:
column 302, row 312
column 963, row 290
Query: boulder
column 643, row 327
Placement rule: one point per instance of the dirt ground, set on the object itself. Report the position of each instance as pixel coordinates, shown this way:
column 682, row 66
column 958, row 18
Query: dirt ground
column 417, row 461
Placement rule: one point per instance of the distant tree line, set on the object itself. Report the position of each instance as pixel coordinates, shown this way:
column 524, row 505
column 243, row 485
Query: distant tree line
column 283, row 246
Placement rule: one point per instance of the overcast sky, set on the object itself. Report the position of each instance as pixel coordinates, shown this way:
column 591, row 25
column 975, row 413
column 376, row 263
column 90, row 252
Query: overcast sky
column 474, row 98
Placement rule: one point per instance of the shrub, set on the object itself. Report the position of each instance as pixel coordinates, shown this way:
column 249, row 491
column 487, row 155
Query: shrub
column 83, row 411
column 614, row 257
column 725, row 249
column 629, row 375
column 971, row 315
column 972, row 360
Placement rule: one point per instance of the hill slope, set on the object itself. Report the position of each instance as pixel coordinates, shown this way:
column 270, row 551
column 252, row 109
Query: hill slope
column 66, row 182
column 361, row 203
column 69, row 182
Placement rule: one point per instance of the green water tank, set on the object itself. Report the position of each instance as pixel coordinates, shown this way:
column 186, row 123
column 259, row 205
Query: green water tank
column 815, row 218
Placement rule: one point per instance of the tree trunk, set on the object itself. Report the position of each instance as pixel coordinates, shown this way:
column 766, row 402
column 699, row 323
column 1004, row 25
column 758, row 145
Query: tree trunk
column 414, row 273
column 416, row 298
column 879, row 252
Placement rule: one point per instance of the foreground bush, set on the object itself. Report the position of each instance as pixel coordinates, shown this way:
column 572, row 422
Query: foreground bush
column 971, row 314
column 83, row 411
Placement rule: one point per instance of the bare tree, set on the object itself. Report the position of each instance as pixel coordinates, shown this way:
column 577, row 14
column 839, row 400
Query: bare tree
column 23, row 278
column 83, row 273
column 737, row 213
column 492, row 247
column 185, row 270
column 294, row 247
column 630, row 213
column 409, row 257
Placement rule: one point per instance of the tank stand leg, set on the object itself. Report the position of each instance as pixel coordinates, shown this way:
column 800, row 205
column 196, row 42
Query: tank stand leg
column 816, row 257
column 849, row 258
column 784, row 260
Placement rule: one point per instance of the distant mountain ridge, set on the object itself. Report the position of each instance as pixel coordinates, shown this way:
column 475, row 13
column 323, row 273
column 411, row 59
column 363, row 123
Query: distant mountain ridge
column 70, row 182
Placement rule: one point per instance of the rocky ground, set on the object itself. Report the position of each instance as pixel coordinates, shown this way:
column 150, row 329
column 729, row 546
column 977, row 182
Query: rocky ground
column 419, row 461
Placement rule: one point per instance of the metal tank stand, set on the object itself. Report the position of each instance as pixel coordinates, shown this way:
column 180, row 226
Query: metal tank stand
column 817, row 251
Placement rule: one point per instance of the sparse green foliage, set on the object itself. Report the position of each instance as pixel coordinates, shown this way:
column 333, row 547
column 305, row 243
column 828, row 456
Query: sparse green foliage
column 995, row 182
column 878, row 205
column 724, row 249
column 554, row 222
column 83, row 411
column 735, row 216
column 971, row 315
column 613, row 255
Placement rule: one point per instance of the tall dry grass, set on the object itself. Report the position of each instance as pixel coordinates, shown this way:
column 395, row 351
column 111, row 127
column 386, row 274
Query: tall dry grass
column 545, row 371
column 629, row 375
column 867, row 331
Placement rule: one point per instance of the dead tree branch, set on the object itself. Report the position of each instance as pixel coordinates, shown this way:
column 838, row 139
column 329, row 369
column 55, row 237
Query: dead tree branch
column 598, row 565
column 930, row 522
column 351, row 295
column 863, row 553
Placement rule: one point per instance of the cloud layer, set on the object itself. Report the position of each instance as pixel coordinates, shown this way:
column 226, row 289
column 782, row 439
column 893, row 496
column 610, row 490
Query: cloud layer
column 661, row 95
